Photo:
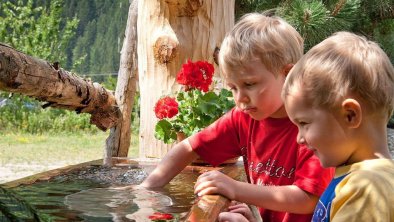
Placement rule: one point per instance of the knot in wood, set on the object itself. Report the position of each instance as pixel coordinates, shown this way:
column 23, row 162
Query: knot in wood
column 191, row 8
column 165, row 49
column 56, row 65
column 185, row 8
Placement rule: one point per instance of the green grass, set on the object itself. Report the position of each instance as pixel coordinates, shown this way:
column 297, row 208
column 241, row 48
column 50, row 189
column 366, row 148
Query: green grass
column 76, row 147
column 39, row 152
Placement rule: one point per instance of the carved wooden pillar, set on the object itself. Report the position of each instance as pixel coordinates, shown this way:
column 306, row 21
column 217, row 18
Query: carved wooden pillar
column 169, row 33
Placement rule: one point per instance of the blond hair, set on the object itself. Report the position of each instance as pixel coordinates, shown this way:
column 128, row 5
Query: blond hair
column 345, row 64
column 256, row 36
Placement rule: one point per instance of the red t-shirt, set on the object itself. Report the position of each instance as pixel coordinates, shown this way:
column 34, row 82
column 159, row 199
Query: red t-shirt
column 271, row 155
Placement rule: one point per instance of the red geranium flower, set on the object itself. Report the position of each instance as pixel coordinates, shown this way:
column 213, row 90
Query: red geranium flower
column 196, row 75
column 195, row 106
column 166, row 107
column 161, row 216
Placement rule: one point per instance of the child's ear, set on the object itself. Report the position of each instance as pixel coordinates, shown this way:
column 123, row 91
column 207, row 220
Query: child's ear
column 352, row 112
column 286, row 69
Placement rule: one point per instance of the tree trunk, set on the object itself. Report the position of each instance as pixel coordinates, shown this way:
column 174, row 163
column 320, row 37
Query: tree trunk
column 37, row 78
column 118, row 142
column 169, row 33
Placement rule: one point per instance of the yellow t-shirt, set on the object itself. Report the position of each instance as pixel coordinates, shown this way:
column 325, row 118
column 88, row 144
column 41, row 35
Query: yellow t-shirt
column 366, row 193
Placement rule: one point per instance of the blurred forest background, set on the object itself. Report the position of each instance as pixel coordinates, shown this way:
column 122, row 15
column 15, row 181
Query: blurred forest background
column 86, row 37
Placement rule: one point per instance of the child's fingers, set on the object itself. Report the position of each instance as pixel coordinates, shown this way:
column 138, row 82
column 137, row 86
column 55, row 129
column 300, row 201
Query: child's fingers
column 203, row 178
column 205, row 187
column 231, row 217
column 213, row 182
column 207, row 191
column 243, row 209
column 201, row 182
column 239, row 208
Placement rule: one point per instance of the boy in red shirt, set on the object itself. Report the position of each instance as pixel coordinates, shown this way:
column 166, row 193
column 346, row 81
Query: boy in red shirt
column 285, row 179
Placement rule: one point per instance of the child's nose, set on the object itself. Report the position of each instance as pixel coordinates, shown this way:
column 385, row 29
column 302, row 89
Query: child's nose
column 300, row 139
column 241, row 97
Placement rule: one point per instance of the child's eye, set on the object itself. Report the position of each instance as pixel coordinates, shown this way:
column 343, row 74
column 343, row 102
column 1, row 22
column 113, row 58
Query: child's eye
column 249, row 84
column 302, row 123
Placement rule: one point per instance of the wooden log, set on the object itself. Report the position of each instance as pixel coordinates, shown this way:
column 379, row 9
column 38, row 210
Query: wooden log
column 21, row 73
column 118, row 142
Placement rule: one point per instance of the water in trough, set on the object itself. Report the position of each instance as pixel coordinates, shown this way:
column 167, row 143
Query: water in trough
column 99, row 193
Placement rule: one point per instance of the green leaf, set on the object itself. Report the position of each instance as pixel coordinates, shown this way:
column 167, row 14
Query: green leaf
column 197, row 110
column 164, row 131
column 226, row 93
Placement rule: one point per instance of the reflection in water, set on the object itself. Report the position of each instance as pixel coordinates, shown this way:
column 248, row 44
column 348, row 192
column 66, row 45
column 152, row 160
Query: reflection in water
column 118, row 203
column 107, row 194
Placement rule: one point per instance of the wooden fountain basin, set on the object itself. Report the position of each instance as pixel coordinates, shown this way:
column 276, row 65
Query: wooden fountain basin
column 205, row 208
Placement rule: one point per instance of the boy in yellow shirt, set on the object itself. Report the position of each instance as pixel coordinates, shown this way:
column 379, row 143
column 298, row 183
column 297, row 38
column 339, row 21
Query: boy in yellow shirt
column 341, row 95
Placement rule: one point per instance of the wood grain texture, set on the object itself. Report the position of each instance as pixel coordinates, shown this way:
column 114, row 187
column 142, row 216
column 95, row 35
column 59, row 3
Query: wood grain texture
column 169, row 33
column 21, row 73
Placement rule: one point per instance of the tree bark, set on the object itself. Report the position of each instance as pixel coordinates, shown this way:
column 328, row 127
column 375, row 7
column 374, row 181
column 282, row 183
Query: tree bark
column 20, row 73
column 118, row 142
column 169, row 33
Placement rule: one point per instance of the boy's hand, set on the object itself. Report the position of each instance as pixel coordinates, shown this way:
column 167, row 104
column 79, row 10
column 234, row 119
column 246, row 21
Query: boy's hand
column 240, row 208
column 231, row 217
column 215, row 182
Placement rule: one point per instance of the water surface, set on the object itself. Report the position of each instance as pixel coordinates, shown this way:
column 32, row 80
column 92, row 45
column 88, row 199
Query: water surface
column 98, row 193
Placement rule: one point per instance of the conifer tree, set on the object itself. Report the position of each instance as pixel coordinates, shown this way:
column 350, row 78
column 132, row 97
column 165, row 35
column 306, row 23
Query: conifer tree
column 317, row 19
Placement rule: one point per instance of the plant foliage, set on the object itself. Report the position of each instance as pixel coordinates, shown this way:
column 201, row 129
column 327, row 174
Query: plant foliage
column 36, row 31
column 195, row 108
